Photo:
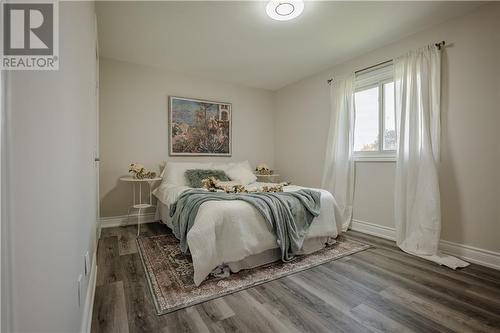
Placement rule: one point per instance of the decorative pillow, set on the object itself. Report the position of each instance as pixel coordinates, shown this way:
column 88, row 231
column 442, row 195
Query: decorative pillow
column 195, row 176
column 175, row 171
column 240, row 173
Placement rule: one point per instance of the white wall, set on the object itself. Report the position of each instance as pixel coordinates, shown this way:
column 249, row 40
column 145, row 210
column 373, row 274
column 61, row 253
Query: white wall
column 51, row 179
column 470, row 169
column 5, row 294
column 133, row 123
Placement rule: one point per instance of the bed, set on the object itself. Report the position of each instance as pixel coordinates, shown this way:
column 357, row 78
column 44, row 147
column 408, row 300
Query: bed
column 234, row 233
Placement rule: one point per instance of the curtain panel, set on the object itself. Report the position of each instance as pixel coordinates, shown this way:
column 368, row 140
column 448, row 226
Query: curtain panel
column 338, row 171
column 417, row 77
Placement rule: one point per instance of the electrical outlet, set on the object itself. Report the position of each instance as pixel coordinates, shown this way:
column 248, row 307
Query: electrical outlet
column 86, row 259
column 79, row 283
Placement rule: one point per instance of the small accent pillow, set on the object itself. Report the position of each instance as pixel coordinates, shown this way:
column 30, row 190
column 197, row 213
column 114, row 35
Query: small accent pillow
column 241, row 174
column 195, row 176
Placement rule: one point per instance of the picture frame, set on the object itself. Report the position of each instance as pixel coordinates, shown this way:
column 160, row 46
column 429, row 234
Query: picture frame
column 198, row 127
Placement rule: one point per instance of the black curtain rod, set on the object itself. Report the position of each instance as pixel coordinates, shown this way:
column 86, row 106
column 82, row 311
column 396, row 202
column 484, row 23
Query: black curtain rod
column 439, row 46
column 373, row 66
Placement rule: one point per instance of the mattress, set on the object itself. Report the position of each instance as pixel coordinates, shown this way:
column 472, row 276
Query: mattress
column 235, row 233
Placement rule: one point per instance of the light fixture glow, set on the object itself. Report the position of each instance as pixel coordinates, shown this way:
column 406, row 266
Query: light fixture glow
column 284, row 10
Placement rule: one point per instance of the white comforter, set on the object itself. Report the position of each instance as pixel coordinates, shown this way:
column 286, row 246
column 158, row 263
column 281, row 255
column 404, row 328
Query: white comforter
column 229, row 231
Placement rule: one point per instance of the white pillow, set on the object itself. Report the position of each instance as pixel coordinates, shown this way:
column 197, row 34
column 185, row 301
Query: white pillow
column 228, row 183
column 225, row 166
column 240, row 172
column 221, row 166
column 246, row 165
column 163, row 167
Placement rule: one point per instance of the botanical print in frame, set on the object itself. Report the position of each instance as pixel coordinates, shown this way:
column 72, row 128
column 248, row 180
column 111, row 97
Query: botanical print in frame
column 199, row 127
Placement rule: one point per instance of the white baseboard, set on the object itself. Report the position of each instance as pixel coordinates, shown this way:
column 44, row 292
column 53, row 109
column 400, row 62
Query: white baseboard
column 466, row 252
column 89, row 298
column 471, row 254
column 119, row 221
column 374, row 229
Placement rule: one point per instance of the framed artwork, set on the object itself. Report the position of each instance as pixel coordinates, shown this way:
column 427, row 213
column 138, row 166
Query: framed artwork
column 199, row 128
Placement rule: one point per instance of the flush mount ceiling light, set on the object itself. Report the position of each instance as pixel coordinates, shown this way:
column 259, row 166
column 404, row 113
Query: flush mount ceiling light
column 284, row 10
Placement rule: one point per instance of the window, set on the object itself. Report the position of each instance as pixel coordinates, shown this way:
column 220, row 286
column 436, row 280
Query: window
column 374, row 115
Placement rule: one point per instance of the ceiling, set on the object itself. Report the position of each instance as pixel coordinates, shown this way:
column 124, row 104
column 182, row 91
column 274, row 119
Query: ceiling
column 236, row 42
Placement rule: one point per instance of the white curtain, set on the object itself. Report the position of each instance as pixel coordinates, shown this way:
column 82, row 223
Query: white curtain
column 417, row 199
column 338, row 172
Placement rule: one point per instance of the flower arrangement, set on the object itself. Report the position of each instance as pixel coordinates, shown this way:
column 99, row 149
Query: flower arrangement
column 212, row 184
column 139, row 172
column 263, row 169
column 273, row 188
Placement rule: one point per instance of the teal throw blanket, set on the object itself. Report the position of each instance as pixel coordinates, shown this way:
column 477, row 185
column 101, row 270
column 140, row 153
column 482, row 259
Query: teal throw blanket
column 288, row 214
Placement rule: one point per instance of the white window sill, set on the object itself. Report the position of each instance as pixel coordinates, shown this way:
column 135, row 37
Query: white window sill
column 377, row 158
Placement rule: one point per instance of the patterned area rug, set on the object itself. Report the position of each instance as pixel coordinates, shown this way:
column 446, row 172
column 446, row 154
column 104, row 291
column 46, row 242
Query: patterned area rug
column 170, row 273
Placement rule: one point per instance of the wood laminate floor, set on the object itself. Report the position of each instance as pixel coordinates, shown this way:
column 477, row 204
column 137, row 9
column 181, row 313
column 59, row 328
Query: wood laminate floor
column 378, row 290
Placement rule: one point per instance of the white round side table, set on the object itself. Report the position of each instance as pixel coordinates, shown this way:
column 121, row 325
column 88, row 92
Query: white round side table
column 139, row 204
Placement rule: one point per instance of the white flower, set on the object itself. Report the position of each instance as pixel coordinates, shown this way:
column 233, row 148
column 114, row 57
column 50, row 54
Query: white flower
column 262, row 166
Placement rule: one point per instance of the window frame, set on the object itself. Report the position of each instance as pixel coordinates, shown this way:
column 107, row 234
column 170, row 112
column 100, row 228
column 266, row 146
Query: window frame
column 376, row 77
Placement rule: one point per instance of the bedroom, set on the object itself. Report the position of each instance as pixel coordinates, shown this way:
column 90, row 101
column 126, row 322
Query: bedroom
column 355, row 148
